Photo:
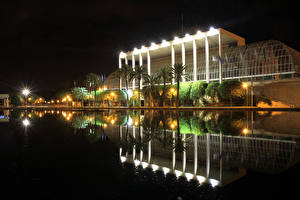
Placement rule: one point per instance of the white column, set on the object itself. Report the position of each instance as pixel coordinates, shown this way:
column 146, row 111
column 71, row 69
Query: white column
column 207, row 58
column 194, row 60
column 183, row 58
column 172, row 60
column 120, row 66
column 207, row 154
column 221, row 157
column 195, row 154
column 149, row 62
column 141, row 63
column 126, row 61
column 220, row 56
column 133, row 68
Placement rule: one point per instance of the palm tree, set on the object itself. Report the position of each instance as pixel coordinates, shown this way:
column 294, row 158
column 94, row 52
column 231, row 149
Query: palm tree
column 92, row 82
column 165, row 74
column 151, row 82
column 125, row 72
column 178, row 73
column 79, row 93
column 138, row 73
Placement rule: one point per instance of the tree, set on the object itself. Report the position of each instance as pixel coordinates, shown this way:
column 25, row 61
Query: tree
column 165, row 74
column 78, row 93
column 178, row 73
column 151, row 87
column 138, row 73
column 15, row 100
column 212, row 91
column 198, row 91
column 231, row 92
column 92, row 82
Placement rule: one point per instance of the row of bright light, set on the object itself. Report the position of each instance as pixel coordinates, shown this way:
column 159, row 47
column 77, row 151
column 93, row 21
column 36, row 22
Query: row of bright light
column 167, row 170
column 199, row 35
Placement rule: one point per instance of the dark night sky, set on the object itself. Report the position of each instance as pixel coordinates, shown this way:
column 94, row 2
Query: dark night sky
column 49, row 44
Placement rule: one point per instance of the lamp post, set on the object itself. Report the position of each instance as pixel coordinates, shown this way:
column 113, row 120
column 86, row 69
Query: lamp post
column 245, row 86
column 25, row 92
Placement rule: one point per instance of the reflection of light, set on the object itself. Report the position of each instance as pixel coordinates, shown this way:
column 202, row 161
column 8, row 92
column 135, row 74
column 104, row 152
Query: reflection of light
column 68, row 118
column 213, row 182
column 137, row 162
column 245, row 131
column 178, row 173
column 105, row 125
column 123, row 159
column 201, row 179
column 112, row 121
column 154, row 167
column 129, row 122
column 136, row 123
column 144, row 164
column 166, row 170
column 189, row 176
column 26, row 122
column 122, row 54
column 172, row 126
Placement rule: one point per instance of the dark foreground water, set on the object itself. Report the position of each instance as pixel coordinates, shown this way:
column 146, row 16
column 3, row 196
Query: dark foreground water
column 148, row 155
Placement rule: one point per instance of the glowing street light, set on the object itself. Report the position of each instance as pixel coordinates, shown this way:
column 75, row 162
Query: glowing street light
column 26, row 122
column 245, row 85
column 26, row 92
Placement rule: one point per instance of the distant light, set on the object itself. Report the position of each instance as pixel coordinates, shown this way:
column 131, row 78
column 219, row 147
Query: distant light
column 199, row 35
column 144, row 164
column 164, row 43
column 123, row 159
column 129, row 93
column 25, row 92
column 213, row 182
column 189, row 176
column 26, row 122
column 136, row 51
column 153, row 46
column 178, row 173
column 245, row 131
column 137, row 162
column 122, row 54
column 212, row 31
column 143, row 49
column 245, row 85
column 176, row 40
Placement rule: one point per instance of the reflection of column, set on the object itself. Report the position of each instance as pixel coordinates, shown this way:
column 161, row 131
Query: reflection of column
column 184, row 154
column 195, row 154
column 141, row 63
column 220, row 57
column 221, row 158
column 133, row 135
column 141, row 151
column 120, row 131
column 207, row 154
column 149, row 152
column 173, row 153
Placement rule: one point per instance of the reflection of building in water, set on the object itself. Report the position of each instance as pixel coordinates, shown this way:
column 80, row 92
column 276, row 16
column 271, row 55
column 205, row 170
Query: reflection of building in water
column 4, row 100
column 4, row 115
column 218, row 159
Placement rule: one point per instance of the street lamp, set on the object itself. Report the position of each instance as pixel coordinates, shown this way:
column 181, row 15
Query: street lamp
column 245, row 86
column 25, row 92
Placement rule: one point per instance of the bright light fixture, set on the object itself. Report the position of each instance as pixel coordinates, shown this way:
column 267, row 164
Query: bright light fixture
column 25, row 92
column 122, row 54
column 164, row 43
column 153, row 46
column 26, row 122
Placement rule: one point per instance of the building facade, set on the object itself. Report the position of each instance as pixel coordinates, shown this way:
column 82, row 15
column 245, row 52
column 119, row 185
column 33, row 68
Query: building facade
column 206, row 54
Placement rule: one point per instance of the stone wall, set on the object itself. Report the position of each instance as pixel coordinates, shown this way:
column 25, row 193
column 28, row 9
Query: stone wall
column 286, row 91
